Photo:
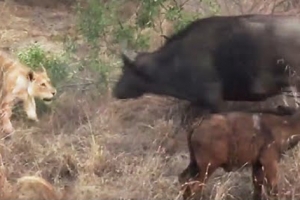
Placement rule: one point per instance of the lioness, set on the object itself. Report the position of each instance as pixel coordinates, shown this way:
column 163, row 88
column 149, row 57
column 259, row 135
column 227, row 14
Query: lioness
column 19, row 82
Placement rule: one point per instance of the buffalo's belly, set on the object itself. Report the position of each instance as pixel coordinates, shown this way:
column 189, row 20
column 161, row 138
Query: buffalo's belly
column 246, row 95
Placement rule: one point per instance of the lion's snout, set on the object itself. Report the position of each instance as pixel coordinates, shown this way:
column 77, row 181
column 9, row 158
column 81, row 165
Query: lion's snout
column 53, row 92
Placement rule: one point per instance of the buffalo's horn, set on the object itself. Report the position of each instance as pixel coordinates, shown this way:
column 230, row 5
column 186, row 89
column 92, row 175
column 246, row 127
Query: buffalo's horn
column 131, row 55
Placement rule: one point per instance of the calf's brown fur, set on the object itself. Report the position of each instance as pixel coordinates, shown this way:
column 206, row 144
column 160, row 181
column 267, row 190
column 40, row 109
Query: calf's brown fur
column 235, row 139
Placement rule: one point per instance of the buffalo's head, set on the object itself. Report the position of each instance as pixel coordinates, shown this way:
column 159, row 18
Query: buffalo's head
column 134, row 79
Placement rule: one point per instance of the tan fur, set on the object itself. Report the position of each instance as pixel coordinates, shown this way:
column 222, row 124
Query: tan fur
column 36, row 188
column 32, row 188
column 5, row 186
column 19, row 82
column 29, row 188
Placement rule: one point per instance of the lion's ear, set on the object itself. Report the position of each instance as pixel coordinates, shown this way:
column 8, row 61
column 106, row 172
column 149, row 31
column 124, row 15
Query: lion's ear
column 30, row 75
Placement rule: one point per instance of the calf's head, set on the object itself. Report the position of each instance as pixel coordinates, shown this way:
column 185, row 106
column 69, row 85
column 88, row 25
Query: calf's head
column 135, row 79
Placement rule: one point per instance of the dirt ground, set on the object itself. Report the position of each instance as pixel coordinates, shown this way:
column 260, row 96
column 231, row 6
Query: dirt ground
column 105, row 149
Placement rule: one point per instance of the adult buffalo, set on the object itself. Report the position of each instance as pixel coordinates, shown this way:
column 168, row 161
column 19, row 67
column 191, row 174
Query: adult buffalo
column 231, row 58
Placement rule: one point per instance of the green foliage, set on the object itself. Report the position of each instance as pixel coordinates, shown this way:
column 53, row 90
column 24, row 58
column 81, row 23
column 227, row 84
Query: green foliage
column 125, row 32
column 173, row 13
column 100, row 18
column 35, row 57
column 100, row 67
column 70, row 46
column 213, row 6
column 180, row 17
column 101, row 26
column 185, row 19
column 149, row 10
column 131, row 35
column 93, row 20
column 142, row 41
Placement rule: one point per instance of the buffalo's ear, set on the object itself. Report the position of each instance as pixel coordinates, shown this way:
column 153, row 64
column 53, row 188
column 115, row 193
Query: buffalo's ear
column 30, row 76
column 130, row 63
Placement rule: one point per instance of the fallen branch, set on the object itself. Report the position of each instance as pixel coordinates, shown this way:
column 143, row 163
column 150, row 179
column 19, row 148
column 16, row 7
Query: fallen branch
column 77, row 85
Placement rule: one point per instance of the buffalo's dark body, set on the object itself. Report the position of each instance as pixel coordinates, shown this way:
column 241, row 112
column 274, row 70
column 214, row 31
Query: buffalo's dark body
column 233, row 58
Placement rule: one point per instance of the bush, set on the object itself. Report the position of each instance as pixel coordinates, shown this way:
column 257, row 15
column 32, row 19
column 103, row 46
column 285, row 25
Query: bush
column 56, row 65
column 105, row 31
column 35, row 57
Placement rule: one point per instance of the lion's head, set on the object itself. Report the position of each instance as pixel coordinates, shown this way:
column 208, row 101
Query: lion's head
column 40, row 85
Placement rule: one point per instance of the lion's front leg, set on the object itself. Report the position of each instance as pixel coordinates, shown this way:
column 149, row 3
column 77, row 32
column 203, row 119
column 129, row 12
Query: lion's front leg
column 5, row 114
column 30, row 108
column 7, row 127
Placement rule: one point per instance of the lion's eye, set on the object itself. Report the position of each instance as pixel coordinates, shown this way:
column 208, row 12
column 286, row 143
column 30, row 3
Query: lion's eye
column 43, row 84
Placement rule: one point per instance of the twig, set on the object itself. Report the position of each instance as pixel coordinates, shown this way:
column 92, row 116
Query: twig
column 166, row 37
column 276, row 5
column 253, row 6
column 297, row 102
column 77, row 84
column 239, row 5
column 85, row 79
column 224, row 6
column 176, row 3
column 163, row 6
column 181, row 5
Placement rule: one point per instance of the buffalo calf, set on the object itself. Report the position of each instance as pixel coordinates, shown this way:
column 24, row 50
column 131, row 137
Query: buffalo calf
column 235, row 139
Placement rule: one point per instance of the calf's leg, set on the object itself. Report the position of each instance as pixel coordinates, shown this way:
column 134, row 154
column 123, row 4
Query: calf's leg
column 185, row 176
column 258, row 180
column 272, row 180
column 269, row 160
column 194, row 185
column 190, row 172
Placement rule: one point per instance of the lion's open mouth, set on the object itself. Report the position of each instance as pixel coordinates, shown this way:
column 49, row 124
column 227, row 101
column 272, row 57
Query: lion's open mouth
column 47, row 99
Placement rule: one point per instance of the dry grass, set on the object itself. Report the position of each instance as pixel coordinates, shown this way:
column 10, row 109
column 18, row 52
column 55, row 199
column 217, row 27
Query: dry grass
column 102, row 148
column 94, row 153
column 106, row 149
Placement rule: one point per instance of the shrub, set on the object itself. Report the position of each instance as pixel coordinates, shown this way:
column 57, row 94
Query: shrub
column 35, row 56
